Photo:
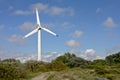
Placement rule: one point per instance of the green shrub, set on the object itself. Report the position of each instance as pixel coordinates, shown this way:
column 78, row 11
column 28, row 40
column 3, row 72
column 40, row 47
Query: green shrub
column 56, row 66
column 42, row 68
column 10, row 73
column 33, row 66
column 101, row 71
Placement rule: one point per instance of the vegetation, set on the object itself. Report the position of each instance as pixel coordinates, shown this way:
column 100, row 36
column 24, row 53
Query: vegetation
column 71, row 60
column 67, row 66
column 11, row 69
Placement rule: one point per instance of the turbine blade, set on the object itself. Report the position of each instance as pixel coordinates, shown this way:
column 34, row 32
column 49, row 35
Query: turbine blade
column 47, row 30
column 32, row 32
column 37, row 17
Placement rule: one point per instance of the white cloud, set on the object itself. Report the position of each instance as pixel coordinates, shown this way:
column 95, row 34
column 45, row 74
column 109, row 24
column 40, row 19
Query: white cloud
column 91, row 57
column 56, row 10
column 50, row 56
column 16, row 39
column 98, row 57
column 59, row 11
column 113, row 50
column 47, row 57
column 23, row 57
column 27, row 26
column 21, row 12
column 90, row 51
column 98, row 10
column 77, row 34
column 52, row 10
column 39, row 6
column 88, row 54
column 45, row 8
column 72, row 43
column 109, row 23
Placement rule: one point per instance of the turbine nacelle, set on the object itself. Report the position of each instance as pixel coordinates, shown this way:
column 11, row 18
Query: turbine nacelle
column 39, row 28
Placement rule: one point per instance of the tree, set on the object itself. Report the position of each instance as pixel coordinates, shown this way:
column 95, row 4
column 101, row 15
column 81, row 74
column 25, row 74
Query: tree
column 56, row 66
column 113, row 59
column 11, row 69
column 71, row 60
column 99, row 62
column 33, row 66
column 77, row 62
column 65, row 58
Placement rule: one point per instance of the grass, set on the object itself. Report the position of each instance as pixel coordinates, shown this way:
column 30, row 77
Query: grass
column 72, row 74
column 31, row 75
column 83, row 74
column 95, row 73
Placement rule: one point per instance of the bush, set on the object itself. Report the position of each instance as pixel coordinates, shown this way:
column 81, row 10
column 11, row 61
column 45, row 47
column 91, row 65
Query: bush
column 113, row 59
column 33, row 66
column 42, row 68
column 71, row 60
column 10, row 73
column 101, row 71
column 56, row 66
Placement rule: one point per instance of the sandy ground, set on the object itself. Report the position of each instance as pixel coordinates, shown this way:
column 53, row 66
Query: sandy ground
column 42, row 76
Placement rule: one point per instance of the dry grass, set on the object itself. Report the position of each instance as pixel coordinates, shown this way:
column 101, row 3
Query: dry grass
column 75, row 74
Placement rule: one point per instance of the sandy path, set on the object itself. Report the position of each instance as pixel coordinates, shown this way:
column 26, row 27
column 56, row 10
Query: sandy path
column 42, row 76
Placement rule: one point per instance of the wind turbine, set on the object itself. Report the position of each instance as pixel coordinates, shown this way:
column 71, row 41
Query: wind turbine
column 38, row 29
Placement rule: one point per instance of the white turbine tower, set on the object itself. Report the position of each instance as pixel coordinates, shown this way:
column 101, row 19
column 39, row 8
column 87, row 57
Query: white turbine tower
column 38, row 29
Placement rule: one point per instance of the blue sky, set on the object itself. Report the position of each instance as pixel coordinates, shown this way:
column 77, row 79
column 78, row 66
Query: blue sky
column 85, row 27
